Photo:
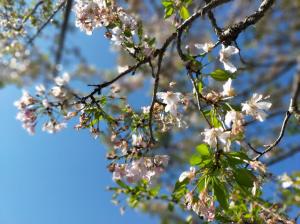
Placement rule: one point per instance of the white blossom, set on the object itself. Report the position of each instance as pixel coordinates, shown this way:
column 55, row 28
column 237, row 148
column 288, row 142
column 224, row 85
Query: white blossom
column 256, row 108
column 206, row 47
column 225, row 54
column 62, row 80
column 235, row 121
column 40, row 89
column 53, row 126
column 187, row 174
column 286, row 181
column 138, row 140
column 212, row 135
column 228, row 91
column 58, row 91
column 171, row 100
column 146, row 110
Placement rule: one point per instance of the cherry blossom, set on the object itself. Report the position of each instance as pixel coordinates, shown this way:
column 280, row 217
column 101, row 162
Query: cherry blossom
column 228, row 91
column 206, row 47
column 235, row 121
column 225, row 54
column 145, row 168
column 212, row 135
column 286, row 181
column 171, row 100
column 53, row 126
column 187, row 174
column 256, row 108
column 138, row 140
column 62, row 80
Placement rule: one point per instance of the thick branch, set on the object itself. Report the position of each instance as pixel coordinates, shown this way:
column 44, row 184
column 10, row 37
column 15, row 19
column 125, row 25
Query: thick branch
column 232, row 32
column 62, row 35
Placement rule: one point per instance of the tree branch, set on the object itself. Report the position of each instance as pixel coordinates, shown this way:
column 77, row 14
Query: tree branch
column 62, row 36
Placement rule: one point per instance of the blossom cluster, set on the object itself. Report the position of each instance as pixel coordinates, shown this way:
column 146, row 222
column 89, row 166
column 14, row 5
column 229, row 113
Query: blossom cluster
column 145, row 168
column 44, row 103
column 202, row 206
column 234, row 120
column 97, row 13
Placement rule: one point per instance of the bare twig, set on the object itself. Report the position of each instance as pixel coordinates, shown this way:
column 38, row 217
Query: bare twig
column 31, row 39
column 288, row 114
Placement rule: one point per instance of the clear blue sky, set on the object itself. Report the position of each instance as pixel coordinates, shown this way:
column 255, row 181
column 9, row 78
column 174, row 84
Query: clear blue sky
column 56, row 179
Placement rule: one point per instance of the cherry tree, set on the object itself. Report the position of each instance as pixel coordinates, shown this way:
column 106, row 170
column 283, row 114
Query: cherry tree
column 222, row 85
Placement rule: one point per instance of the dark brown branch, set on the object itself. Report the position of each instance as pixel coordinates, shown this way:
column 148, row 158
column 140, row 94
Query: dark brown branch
column 233, row 31
column 62, row 36
column 280, row 136
column 213, row 21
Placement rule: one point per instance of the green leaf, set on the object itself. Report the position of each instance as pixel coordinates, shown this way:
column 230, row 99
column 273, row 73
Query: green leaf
column 184, row 13
column 203, row 150
column 214, row 120
column 200, row 86
column 167, row 3
column 122, row 184
column 140, row 31
column 221, row 75
column 154, row 191
column 220, row 193
column 180, row 189
column 202, row 183
column 244, row 177
column 195, row 160
column 169, row 11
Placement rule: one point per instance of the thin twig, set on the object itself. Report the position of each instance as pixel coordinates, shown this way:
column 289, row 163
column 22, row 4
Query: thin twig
column 31, row 39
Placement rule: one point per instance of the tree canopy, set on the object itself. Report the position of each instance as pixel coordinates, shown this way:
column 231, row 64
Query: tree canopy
column 221, row 106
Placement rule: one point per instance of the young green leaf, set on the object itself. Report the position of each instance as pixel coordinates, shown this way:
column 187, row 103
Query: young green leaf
column 184, row 13
column 221, row 75
column 203, row 150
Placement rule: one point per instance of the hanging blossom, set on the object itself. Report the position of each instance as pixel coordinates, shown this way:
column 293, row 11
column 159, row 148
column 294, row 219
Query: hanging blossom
column 256, row 108
column 259, row 166
column 225, row 54
column 145, row 168
column 286, row 181
column 235, row 120
column 27, row 113
column 228, row 90
column 53, row 126
column 138, row 140
column 188, row 174
column 171, row 100
column 58, row 90
column 203, row 207
column 91, row 14
column 212, row 135
column 44, row 103
column 206, row 47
